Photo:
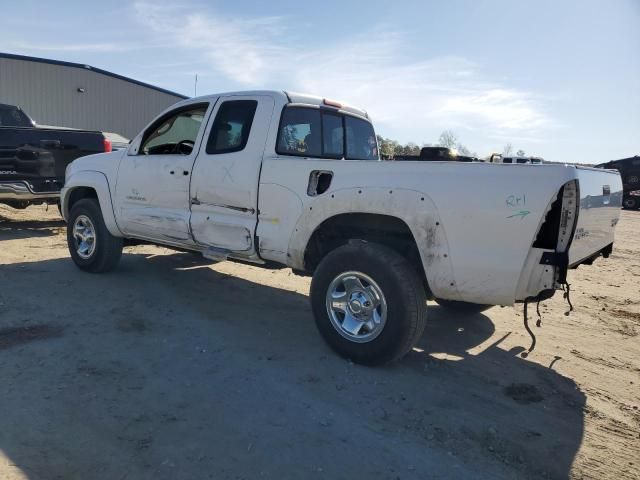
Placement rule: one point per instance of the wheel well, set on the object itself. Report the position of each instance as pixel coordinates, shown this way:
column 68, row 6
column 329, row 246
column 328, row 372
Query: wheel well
column 80, row 193
column 383, row 229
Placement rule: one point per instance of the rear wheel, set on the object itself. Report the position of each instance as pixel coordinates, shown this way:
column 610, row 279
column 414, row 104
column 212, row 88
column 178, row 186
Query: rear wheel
column 90, row 244
column 631, row 203
column 462, row 307
column 369, row 303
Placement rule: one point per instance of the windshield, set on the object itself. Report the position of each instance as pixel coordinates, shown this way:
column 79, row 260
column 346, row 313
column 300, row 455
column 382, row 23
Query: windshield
column 11, row 116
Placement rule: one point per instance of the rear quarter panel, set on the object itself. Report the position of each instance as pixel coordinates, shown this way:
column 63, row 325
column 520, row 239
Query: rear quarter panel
column 474, row 229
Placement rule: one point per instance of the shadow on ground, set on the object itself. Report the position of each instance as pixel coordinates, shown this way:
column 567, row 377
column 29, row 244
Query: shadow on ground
column 12, row 229
column 168, row 369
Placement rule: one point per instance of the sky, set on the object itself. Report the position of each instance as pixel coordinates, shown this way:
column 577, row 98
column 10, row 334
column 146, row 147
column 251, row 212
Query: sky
column 556, row 78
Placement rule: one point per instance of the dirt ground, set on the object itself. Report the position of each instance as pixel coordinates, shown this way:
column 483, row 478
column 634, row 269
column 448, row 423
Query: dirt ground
column 176, row 368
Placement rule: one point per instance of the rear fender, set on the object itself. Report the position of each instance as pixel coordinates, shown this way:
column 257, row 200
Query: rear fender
column 414, row 208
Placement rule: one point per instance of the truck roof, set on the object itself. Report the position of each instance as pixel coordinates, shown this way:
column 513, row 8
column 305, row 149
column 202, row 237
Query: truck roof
column 294, row 98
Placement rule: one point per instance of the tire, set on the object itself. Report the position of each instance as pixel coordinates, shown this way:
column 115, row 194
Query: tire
column 104, row 252
column 402, row 294
column 631, row 203
column 462, row 307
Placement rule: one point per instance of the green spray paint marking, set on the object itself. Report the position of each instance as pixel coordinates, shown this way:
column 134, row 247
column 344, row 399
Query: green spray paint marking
column 521, row 214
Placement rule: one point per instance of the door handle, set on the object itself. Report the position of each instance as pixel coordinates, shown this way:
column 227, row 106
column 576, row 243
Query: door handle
column 171, row 172
column 319, row 182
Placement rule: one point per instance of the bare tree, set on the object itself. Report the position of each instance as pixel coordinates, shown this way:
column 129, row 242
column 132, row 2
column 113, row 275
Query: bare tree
column 462, row 150
column 507, row 150
column 448, row 139
column 520, row 153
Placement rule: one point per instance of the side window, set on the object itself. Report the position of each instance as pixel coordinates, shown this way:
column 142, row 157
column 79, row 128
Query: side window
column 300, row 132
column 332, row 135
column 175, row 134
column 361, row 139
column 231, row 128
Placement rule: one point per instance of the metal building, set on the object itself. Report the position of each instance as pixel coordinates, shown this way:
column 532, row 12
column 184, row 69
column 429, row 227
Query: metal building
column 80, row 96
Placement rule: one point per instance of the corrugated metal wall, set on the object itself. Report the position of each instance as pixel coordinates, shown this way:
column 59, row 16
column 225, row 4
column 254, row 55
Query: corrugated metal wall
column 49, row 94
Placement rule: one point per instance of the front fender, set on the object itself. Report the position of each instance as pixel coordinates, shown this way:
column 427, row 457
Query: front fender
column 98, row 182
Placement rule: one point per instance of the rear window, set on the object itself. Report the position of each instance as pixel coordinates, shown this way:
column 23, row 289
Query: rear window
column 332, row 135
column 313, row 132
column 361, row 139
column 300, row 132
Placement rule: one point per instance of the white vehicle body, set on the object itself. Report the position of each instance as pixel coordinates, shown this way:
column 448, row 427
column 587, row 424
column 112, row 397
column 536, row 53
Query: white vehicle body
column 474, row 225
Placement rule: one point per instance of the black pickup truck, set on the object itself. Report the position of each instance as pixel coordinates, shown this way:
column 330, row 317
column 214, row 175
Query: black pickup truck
column 629, row 169
column 33, row 159
column 435, row 154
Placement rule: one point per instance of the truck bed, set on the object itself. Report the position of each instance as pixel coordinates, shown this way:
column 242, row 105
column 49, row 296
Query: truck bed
column 33, row 160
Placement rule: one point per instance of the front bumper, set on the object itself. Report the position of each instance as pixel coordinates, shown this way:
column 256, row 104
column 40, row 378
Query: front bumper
column 22, row 190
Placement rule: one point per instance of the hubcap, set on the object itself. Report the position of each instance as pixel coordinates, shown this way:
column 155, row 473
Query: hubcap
column 84, row 237
column 356, row 306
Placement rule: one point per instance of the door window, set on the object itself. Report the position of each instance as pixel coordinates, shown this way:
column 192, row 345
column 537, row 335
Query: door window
column 230, row 131
column 176, row 133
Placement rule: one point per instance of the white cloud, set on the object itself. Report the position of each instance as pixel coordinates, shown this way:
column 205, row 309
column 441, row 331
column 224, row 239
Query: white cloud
column 370, row 70
column 242, row 49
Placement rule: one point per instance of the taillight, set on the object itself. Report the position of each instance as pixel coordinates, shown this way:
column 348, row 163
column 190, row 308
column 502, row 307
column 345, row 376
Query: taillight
column 332, row 103
column 107, row 145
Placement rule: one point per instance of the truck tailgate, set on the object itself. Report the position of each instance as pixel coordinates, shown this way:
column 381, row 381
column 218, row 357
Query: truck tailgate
column 600, row 203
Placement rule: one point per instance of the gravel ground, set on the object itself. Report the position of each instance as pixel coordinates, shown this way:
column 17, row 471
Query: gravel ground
column 177, row 368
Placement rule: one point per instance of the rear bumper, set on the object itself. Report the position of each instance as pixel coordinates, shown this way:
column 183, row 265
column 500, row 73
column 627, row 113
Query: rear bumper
column 22, row 190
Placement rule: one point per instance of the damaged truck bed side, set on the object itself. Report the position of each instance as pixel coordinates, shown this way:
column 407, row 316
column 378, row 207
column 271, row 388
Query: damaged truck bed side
column 280, row 178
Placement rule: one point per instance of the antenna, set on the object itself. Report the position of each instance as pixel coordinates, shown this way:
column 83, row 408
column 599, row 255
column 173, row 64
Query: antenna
column 195, row 86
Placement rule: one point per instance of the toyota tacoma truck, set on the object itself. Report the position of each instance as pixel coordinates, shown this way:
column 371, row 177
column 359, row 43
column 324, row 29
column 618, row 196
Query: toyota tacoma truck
column 273, row 177
column 33, row 158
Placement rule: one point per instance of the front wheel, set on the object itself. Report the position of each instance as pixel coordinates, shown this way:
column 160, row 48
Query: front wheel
column 90, row 244
column 368, row 302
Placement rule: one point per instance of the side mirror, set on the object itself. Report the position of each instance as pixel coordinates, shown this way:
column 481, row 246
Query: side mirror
column 134, row 146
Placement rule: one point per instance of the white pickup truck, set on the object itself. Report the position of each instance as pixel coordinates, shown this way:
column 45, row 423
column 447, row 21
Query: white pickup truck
column 273, row 177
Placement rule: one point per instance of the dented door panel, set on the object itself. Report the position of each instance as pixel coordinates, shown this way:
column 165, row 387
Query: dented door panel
column 224, row 193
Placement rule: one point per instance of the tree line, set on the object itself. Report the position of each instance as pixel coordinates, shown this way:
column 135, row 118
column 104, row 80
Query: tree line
column 390, row 148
